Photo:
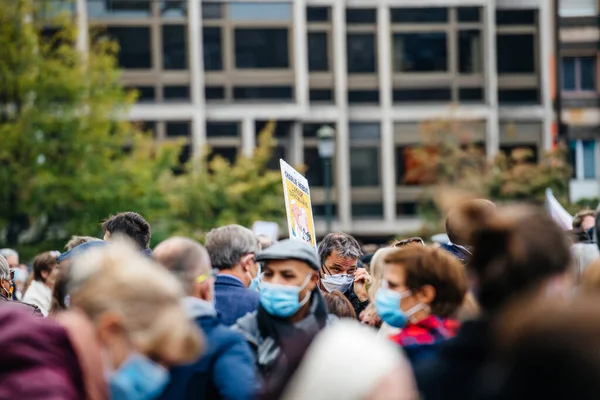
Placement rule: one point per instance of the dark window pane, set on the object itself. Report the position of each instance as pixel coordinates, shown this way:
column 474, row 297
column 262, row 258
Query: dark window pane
column 184, row 156
column 572, row 157
column 324, row 95
column 174, row 47
column 419, row 15
column 422, row 95
column 279, row 152
column 134, row 46
column 145, row 126
column 309, row 130
column 568, row 74
column 367, row 210
column 407, row 209
column 515, row 17
column 213, row 54
column 361, row 55
column 176, row 93
column 318, row 55
column 118, row 8
column 263, row 93
column 361, row 16
column 420, row 52
column 319, row 210
column 146, row 94
column 470, row 52
column 588, row 73
column 222, row 129
column 518, row 96
column 589, row 159
column 173, row 8
column 515, row 53
column 212, row 11
column 469, row 14
column 365, row 130
column 467, row 95
column 314, row 167
column 317, row 14
column 179, row 128
column 261, row 48
column 363, row 96
column 364, row 166
column 282, row 128
column 214, row 92
column 228, row 153
column 260, row 12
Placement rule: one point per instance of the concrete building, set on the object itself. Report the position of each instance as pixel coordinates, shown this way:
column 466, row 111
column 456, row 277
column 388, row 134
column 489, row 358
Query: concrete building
column 215, row 72
column 580, row 99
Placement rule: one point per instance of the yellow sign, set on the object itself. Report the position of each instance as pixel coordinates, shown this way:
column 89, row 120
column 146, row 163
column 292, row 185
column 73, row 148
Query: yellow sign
column 301, row 225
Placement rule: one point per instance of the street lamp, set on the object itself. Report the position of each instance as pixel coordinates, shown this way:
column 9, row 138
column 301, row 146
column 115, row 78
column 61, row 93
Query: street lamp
column 326, row 147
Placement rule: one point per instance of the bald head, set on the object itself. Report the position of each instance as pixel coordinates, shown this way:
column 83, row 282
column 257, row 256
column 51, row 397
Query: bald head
column 185, row 258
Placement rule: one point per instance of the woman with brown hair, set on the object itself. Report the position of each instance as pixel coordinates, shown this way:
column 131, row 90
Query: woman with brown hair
column 339, row 305
column 45, row 273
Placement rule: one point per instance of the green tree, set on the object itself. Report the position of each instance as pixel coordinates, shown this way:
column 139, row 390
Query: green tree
column 66, row 163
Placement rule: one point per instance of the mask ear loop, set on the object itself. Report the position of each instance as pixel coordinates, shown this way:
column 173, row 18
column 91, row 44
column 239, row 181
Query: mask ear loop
column 308, row 295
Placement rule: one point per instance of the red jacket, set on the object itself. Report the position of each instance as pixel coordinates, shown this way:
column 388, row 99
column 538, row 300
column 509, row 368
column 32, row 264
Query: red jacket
column 38, row 360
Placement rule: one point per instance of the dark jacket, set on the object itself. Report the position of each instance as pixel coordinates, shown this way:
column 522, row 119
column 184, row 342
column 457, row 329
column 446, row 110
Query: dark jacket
column 233, row 300
column 456, row 372
column 359, row 306
column 225, row 371
column 29, row 308
column 38, row 359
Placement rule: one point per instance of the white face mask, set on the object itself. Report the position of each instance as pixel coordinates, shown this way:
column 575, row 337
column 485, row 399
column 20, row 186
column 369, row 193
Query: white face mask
column 341, row 282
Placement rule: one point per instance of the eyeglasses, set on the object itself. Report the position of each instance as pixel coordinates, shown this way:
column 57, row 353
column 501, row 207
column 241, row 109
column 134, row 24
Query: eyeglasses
column 202, row 278
column 411, row 240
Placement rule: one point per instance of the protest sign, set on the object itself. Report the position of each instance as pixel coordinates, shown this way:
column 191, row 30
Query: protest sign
column 296, row 193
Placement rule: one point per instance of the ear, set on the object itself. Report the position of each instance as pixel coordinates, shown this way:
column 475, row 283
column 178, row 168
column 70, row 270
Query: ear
column 314, row 279
column 426, row 294
column 245, row 262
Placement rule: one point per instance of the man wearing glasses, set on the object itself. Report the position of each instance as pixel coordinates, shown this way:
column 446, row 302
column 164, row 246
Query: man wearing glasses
column 339, row 254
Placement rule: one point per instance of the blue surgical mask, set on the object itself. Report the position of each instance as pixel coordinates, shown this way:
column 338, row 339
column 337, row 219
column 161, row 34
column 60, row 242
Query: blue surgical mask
column 340, row 282
column 282, row 300
column 138, row 378
column 387, row 304
column 254, row 283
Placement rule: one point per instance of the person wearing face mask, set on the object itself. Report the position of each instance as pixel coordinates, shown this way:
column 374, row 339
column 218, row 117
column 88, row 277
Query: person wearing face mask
column 233, row 251
column 421, row 288
column 226, row 371
column 125, row 327
column 339, row 254
column 7, row 287
column 291, row 307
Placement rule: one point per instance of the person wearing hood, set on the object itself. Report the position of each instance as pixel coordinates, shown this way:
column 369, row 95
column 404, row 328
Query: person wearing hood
column 226, row 371
column 291, row 307
column 339, row 254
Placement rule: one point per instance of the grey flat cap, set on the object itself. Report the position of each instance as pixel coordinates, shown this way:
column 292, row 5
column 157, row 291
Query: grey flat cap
column 291, row 249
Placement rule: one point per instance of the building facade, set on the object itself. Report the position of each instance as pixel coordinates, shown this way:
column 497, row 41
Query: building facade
column 580, row 98
column 374, row 70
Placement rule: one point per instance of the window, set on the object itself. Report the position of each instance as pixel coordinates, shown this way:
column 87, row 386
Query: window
column 178, row 93
column 578, row 8
column 579, row 74
column 317, row 14
column 222, row 129
column 589, row 159
column 470, row 95
column 134, row 45
column 177, row 129
column 318, row 55
column 363, row 96
column 173, row 8
column 419, row 15
column 367, row 210
column 213, row 50
column 119, row 8
column 470, row 52
column 261, row 48
column 364, row 154
column 263, row 93
column 361, row 16
column 420, row 52
column 260, row 11
column 214, row 92
column 469, row 14
column 361, row 53
column 212, row 11
column 518, row 96
column 174, row 47
column 223, row 138
column 422, row 95
column 145, row 94
column 227, row 153
column 515, row 53
column 321, row 95
column 515, row 17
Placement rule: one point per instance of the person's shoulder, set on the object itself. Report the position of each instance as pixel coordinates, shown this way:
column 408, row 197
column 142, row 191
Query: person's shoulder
column 248, row 327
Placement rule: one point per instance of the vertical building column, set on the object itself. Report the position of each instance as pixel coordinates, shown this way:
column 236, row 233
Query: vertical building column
column 196, row 65
column 82, row 26
column 546, row 36
column 248, row 137
column 492, row 139
column 300, row 53
column 388, row 173
column 342, row 169
column 296, row 145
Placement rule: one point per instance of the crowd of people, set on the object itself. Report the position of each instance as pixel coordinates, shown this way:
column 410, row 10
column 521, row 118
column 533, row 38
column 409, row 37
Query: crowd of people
column 506, row 309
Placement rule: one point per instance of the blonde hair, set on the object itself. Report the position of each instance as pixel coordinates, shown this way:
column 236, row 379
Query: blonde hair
column 377, row 266
column 118, row 278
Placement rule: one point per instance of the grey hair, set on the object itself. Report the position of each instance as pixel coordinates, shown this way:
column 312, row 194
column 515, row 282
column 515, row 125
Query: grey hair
column 4, row 268
column 345, row 245
column 228, row 244
column 8, row 253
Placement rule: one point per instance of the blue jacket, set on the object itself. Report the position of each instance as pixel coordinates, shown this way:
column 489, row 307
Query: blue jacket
column 225, row 371
column 233, row 300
